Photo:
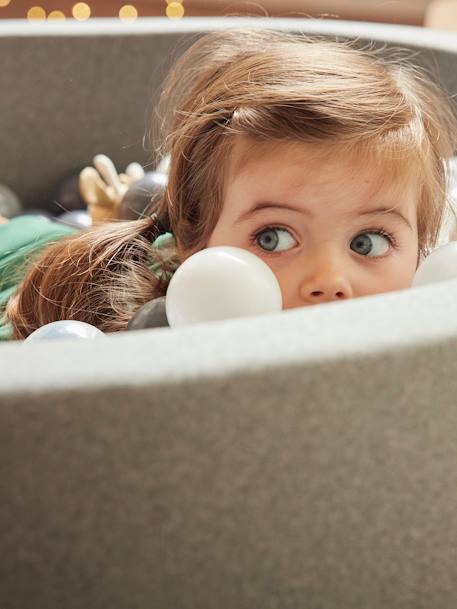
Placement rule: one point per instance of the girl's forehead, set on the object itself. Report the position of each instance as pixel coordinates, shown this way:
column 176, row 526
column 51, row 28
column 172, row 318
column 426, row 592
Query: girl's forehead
column 320, row 162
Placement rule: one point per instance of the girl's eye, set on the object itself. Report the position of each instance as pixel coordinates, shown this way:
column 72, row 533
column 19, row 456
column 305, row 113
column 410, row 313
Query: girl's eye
column 274, row 239
column 372, row 243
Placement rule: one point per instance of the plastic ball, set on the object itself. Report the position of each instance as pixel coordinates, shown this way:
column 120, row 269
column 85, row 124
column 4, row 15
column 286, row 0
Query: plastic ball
column 67, row 196
column 150, row 315
column 76, row 218
column 10, row 205
column 221, row 283
column 164, row 165
column 37, row 212
column 440, row 265
column 141, row 195
column 65, row 329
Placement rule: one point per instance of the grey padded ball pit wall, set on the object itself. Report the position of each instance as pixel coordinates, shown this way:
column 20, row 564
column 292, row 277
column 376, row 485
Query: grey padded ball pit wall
column 301, row 460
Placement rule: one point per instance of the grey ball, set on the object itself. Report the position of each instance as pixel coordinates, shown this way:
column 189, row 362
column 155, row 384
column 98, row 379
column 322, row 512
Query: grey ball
column 150, row 315
column 10, row 205
column 138, row 200
column 67, row 196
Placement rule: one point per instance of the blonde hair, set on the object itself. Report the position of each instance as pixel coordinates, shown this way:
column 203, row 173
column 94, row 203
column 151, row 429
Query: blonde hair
column 266, row 85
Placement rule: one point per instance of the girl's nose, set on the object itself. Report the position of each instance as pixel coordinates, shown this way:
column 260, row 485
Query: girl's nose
column 325, row 281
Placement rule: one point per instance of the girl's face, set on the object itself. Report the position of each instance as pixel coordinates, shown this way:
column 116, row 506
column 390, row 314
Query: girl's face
column 329, row 227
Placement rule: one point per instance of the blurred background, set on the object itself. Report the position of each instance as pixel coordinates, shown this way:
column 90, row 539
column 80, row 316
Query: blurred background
column 440, row 14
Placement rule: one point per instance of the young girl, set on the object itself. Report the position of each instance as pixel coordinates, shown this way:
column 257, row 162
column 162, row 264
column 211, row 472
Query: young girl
column 326, row 161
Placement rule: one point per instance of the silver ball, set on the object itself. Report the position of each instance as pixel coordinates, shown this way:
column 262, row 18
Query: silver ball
column 65, row 329
column 76, row 218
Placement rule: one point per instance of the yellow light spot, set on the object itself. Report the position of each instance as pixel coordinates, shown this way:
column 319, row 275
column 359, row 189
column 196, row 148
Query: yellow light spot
column 56, row 15
column 81, row 11
column 128, row 13
column 36, row 13
column 4, row 2
column 175, row 10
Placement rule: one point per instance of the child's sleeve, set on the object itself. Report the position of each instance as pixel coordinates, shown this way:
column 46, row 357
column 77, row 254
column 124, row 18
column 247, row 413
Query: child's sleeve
column 21, row 237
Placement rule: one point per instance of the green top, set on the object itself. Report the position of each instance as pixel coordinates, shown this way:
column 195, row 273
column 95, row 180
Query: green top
column 26, row 235
column 19, row 239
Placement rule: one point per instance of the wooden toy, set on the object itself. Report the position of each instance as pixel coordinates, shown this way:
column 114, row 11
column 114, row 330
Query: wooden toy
column 124, row 196
column 103, row 196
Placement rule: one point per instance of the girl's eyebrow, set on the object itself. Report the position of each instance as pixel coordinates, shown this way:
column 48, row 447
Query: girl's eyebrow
column 261, row 205
column 387, row 211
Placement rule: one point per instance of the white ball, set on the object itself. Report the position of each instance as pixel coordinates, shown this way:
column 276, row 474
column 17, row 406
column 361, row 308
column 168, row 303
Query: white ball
column 65, row 329
column 441, row 264
column 220, row 283
column 77, row 218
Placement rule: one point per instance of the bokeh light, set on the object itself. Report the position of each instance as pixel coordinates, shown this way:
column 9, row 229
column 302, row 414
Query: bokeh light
column 4, row 2
column 81, row 11
column 128, row 13
column 56, row 15
column 175, row 10
column 36, row 13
